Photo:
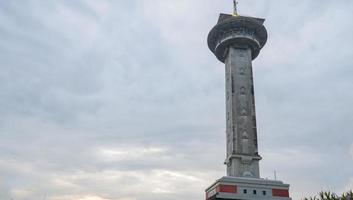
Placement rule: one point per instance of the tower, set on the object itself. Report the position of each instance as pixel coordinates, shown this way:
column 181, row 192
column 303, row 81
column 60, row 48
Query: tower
column 237, row 40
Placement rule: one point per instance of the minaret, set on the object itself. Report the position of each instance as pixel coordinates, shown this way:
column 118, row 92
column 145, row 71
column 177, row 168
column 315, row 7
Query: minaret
column 236, row 41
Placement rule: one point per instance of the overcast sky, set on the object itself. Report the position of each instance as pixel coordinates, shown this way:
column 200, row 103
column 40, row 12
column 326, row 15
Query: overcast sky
column 122, row 100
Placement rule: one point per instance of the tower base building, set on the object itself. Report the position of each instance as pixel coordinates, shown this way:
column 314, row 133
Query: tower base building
column 236, row 41
column 247, row 189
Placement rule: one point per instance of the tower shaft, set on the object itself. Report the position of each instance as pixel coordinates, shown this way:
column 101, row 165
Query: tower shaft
column 242, row 151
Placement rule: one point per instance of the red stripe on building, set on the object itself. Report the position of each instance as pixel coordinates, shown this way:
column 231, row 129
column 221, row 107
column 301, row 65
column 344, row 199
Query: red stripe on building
column 221, row 188
column 227, row 188
column 280, row 193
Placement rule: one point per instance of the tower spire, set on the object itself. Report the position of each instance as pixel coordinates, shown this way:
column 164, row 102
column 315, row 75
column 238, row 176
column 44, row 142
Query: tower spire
column 235, row 9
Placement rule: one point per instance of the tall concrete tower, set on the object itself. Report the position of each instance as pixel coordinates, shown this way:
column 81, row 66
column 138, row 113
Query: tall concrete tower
column 236, row 41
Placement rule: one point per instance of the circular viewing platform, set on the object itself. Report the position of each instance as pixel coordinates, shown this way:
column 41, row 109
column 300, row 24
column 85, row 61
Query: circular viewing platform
column 238, row 32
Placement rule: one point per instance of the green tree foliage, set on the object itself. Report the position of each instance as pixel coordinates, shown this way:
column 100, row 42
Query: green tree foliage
column 332, row 196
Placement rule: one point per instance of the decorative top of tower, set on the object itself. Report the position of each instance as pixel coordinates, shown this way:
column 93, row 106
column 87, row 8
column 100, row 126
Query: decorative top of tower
column 235, row 10
column 237, row 31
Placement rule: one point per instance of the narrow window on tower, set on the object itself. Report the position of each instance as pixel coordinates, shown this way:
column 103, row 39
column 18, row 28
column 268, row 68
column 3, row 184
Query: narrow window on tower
column 232, row 85
column 242, row 90
column 242, row 71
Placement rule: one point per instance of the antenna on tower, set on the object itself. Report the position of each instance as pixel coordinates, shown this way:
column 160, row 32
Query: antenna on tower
column 235, row 10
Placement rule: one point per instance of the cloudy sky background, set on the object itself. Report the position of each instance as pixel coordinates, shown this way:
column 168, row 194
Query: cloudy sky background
column 122, row 100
